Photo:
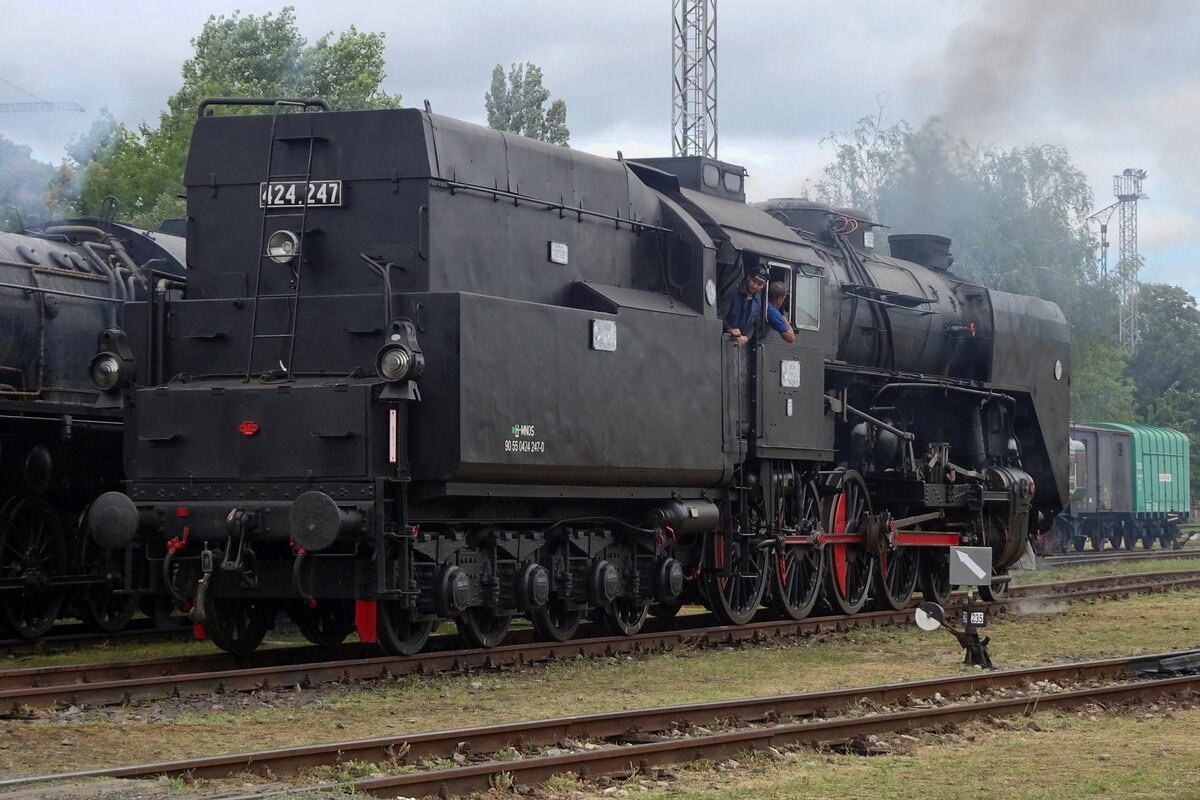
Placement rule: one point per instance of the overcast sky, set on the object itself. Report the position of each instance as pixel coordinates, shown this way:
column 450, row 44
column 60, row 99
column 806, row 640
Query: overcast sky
column 1117, row 82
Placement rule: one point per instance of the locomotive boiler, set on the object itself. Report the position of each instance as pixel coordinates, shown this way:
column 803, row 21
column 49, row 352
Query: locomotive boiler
column 425, row 370
column 60, row 287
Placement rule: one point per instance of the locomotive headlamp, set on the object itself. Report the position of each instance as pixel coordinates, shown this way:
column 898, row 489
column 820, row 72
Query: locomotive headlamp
column 105, row 371
column 112, row 367
column 394, row 363
column 282, row 246
column 400, row 361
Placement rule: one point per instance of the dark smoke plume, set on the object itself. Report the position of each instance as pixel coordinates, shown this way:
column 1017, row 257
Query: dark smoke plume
column 1016, row 56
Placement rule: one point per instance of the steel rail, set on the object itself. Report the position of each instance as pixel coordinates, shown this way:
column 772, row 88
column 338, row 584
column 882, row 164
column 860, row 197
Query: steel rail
column 100, row 684
column 1108, row 557
column 722, row 745
column 617, row 725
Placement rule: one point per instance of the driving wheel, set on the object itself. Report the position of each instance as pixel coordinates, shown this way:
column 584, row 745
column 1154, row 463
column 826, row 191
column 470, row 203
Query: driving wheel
column 896, row 575
column 848, row 566
column 796, row 576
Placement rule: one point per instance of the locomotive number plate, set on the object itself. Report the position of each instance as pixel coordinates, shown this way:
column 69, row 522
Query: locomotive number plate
column 296, row 194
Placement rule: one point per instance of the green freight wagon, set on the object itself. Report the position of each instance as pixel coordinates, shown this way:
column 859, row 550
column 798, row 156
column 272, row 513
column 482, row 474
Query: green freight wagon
column 1129, row 484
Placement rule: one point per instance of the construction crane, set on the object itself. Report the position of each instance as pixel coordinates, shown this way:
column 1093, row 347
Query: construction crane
column 694, row 78
column 38, row 103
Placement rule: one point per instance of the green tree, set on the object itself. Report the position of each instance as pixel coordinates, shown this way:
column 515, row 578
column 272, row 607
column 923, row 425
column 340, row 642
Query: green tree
column 518, row 104
column 1168, row 344
column 25, row 184
column 866, row 159
column 235, row 56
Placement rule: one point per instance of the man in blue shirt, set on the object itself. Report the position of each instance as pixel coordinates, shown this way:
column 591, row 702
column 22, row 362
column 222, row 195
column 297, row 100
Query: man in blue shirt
column 776, row 295
column 741, row 322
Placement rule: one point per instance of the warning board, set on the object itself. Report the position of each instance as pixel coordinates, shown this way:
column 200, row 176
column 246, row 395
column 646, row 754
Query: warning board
column 970, row 566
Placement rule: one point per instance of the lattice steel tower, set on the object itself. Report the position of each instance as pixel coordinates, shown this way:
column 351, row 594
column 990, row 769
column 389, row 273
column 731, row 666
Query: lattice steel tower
column 1128, row 188
column 694, row 78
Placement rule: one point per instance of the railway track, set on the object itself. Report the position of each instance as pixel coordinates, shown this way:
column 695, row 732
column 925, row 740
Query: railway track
column 72, row 636
column 638, row 739
column 101, row 684
column 1113, row 556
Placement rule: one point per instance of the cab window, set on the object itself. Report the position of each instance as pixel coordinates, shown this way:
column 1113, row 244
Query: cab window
column 806, row 302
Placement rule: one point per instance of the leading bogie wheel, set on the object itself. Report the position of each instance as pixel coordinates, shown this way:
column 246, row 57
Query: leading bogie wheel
column 33, row 553
column 935, row 575
column 482, row 627
column 238, row 624
column 993, row 591
column 848, row 567
column 399, row 630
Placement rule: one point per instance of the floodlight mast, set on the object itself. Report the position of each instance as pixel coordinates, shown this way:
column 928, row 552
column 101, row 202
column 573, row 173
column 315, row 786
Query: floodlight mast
column 1128, row 189
column 694, row 78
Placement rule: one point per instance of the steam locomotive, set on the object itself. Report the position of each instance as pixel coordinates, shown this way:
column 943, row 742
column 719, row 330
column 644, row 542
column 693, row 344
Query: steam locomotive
column 425, row 370
column 60, row 286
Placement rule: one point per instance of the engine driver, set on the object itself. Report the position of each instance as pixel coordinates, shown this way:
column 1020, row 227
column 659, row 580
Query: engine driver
column 747, row 306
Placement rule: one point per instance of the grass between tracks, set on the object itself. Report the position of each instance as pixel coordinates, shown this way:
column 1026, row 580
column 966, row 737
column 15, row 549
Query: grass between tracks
column 1021, row 578
column 217, row 724
column 1061, row 756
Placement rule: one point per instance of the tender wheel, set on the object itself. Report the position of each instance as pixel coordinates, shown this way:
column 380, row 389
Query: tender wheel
column 482, row 627
column 625, row 616
column 554, row 621
column 935, row 575
column 237, row 624
column 33, row 552
column 103, row 606
column 896, row 575
column 797, row 571
column 736, row 579
column 848, row 567
column 327, row 625
column 666, row 610
column 398, row 631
